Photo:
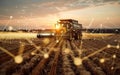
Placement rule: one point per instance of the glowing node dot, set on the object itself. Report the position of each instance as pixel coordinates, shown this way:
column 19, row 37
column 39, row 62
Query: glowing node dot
column 112, row 68
column 11, row 17
column 57, row 41
column 38, row 47
column 46, row 55
column 20, row 42
column 46, row 41
column 10, row 28
column 102, row 60
column 114, row 56
column 115, row 40
column 67, row 51
column 18, row 59
column 32, row 53
column 116, row 30
column 22, row 45
column 117, row 46
column 108, row 46
column 77, row 61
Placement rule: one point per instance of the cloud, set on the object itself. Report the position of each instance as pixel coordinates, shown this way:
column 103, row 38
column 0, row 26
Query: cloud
column 40, row 8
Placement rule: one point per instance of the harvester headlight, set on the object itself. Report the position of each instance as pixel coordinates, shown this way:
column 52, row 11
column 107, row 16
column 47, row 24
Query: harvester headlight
column 57, row 26
column 53, row 34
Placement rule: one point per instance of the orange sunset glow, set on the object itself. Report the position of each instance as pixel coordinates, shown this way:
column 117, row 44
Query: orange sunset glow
column 37, row 14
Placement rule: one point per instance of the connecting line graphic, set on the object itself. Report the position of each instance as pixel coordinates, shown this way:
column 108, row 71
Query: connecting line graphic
column 90, row 24
column 98, row 51
column 36, row 47
column 92, row 54
column 78, row 60
column 10, row 18
column 102, row 60
column 21, row 49
column 7, row 52
column 18, row 58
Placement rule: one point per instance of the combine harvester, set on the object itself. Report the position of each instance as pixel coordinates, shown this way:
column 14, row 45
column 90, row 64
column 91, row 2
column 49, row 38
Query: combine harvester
column 68, row 29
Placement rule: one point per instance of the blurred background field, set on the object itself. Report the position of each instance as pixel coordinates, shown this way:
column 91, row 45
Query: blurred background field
column 17, row 35
column 24, row 35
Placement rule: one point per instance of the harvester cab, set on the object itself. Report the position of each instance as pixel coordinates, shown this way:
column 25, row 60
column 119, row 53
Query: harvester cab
column 69, row 29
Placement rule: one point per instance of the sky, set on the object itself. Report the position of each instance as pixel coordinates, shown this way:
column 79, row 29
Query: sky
column 37, row 14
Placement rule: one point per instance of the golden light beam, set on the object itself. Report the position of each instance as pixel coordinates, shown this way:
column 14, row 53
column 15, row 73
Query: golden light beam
column 21, row 49
column 46, row 41
column 33, row 44
column 108, row 46
column 10, row 18
column 7, row 52
column 90, row 24
column 18, row 59
column 81, row 50
column 34, row 52
column 92, row 54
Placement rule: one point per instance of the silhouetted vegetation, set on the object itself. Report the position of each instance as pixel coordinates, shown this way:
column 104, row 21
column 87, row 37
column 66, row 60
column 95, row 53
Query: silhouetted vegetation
column 116, row 30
